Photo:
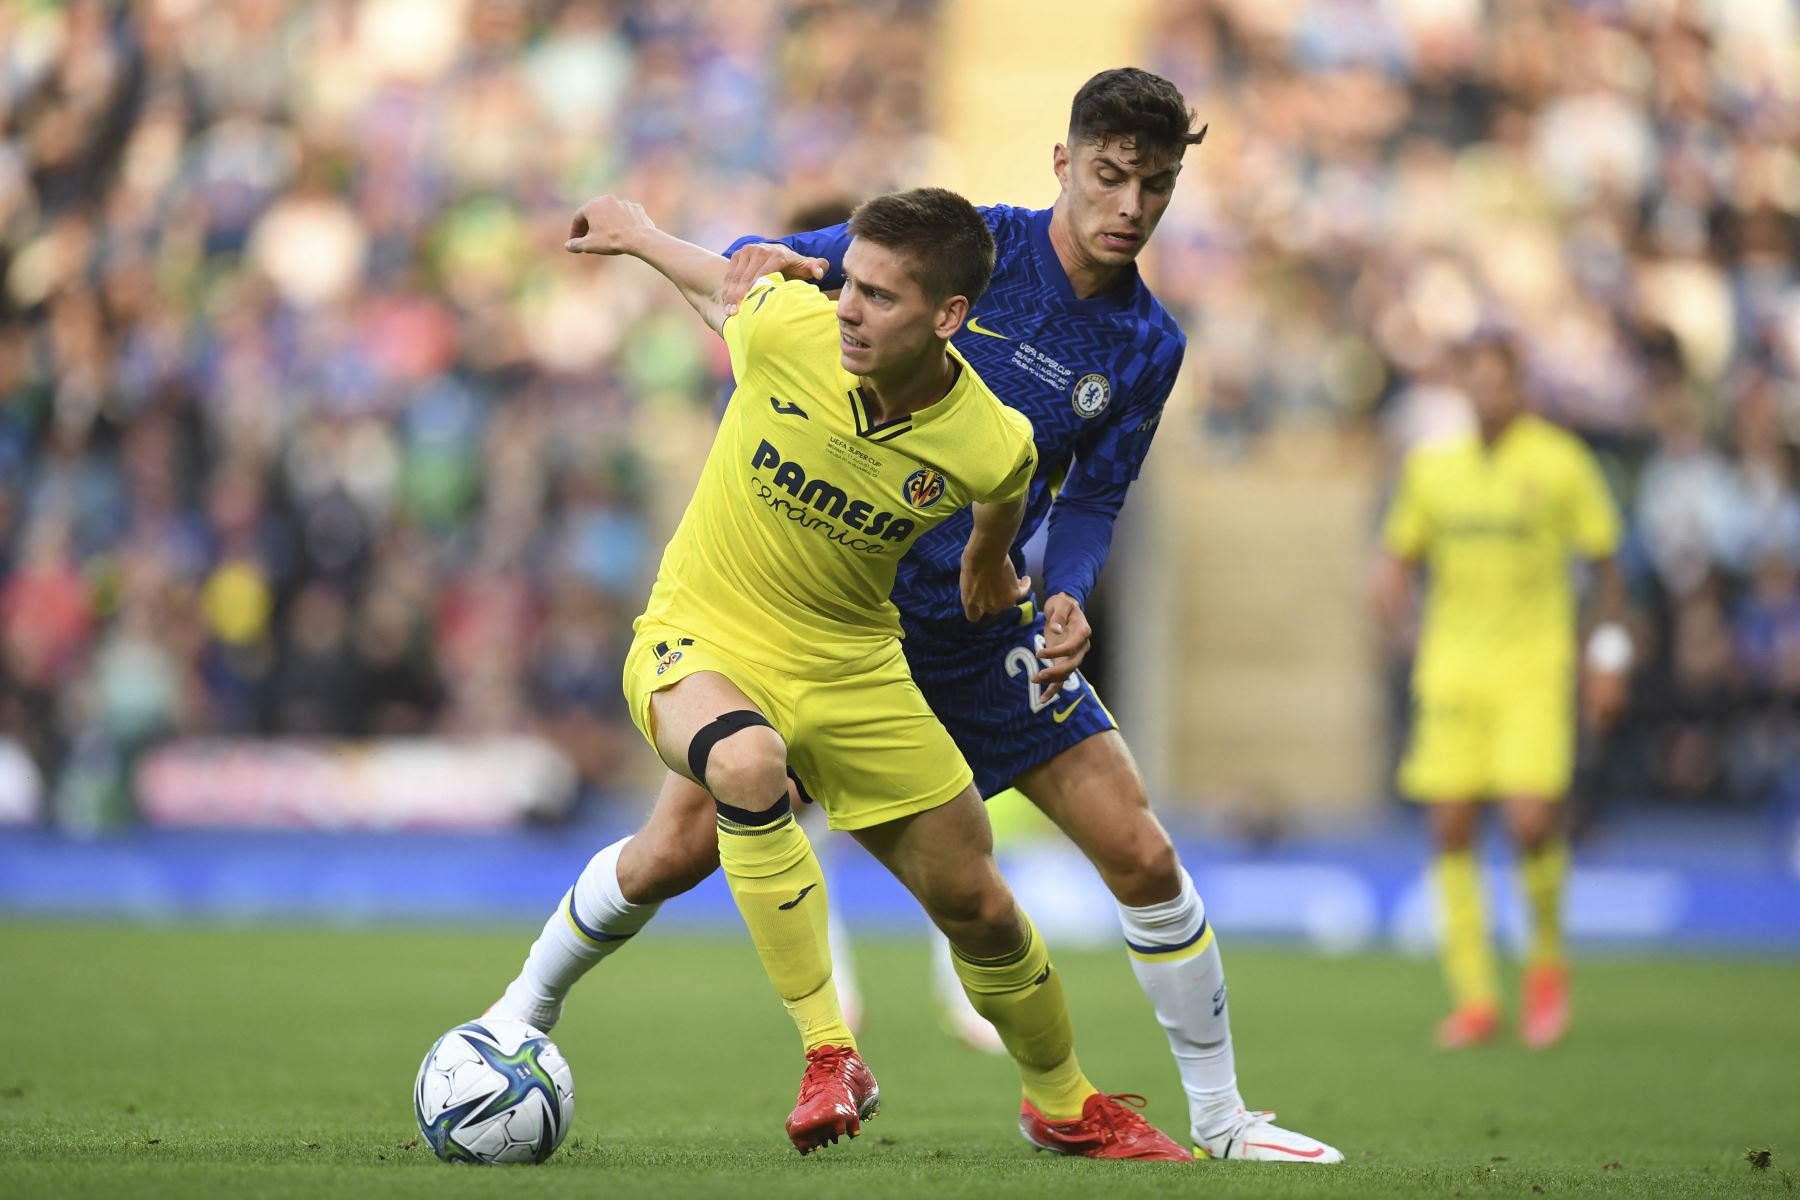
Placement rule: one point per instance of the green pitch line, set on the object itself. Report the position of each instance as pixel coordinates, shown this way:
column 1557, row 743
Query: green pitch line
column 195, row 1062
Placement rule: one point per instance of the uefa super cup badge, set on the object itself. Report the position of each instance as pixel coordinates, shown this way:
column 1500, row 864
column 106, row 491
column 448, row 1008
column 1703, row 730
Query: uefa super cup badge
column 1091, row 396
column 923, row 488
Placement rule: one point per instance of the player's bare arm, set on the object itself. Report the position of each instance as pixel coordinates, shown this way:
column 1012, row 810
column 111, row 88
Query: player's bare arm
column 990, row 584
column 1607, row 670
column 1392, row 589
column 610, row 225
column 752, row 262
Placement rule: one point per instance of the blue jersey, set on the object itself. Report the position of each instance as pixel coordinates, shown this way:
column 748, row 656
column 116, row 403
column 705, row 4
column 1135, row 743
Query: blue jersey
column 1091, row 374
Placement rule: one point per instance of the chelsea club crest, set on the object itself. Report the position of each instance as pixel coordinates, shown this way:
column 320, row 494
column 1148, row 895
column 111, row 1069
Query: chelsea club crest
column 1091, row 396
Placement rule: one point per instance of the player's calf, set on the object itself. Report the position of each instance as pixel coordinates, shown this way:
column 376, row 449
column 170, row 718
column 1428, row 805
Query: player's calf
column 1142, row 868
column 982, row 923
column 677, row 849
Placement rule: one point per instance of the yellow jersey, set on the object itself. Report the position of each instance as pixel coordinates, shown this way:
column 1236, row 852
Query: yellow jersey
column 1495, row 528
column 787, row 551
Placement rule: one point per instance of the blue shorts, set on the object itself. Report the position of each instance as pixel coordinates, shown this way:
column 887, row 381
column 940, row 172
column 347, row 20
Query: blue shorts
column 978, row 682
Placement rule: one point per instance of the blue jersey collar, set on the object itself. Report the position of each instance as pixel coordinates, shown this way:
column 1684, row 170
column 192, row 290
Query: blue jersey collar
column 1051, row 268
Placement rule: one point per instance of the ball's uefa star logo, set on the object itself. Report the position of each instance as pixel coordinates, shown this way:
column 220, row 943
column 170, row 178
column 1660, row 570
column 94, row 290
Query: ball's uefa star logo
column 1091, row 396
column 923, row 488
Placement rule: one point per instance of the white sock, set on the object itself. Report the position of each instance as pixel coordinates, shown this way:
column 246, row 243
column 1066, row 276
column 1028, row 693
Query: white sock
column 1176, row 960
column 592, row 921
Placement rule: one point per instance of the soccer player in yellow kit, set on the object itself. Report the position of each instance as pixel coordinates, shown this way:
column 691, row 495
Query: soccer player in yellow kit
column 1494, row 517
column 770, row 650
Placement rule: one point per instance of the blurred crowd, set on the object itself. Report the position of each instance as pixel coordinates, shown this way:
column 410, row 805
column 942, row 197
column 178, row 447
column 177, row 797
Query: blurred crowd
column 306, row 422
column 307, row 425
column 1615, row 184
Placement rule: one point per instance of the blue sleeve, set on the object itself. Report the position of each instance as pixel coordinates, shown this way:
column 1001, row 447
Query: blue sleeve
column 828, row 244
column 1107, row 461
column 831, row 242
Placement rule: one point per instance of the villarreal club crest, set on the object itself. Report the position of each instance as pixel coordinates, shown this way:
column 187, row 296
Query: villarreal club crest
column 923, row 488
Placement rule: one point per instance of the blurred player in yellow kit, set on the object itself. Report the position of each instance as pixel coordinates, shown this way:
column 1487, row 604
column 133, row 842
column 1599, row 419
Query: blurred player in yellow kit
column 770, row 650
column 1494, row 518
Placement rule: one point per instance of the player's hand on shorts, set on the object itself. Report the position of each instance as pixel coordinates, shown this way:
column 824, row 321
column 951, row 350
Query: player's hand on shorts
column 757, row 259
column 992, row 586
column 1067, row 637
column 606, row 225
column 1603, row 698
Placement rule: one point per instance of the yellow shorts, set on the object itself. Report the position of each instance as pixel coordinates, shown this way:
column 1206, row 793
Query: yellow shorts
column 863, row 744
column 1488, row 744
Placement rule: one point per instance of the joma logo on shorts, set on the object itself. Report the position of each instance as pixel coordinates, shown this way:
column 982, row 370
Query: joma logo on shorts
column 823, row 496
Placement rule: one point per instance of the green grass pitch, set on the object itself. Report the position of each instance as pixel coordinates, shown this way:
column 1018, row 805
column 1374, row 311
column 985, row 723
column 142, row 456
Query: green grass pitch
column 278, row 1062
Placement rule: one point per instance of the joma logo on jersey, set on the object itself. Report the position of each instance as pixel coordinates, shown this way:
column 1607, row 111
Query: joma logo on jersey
column 923, row 488
column 823, row 496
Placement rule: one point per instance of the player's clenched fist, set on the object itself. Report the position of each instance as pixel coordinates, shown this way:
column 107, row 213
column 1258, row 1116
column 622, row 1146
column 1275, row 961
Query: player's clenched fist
column 991, row 586
column 606, row 225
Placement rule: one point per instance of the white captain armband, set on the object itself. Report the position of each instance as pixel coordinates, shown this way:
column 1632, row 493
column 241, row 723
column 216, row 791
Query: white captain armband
column 1609, row 648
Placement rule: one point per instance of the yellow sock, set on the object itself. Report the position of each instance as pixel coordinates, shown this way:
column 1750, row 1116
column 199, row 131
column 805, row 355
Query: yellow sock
column 1467, row 954
column 1023, row 997
column 776, row 881
column 1541, row 876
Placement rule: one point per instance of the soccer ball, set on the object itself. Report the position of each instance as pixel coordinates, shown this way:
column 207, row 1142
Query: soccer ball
column 494, row 1091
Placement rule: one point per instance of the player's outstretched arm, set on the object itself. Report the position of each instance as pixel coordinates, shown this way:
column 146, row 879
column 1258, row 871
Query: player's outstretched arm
column 609, row 225
column 990, row 583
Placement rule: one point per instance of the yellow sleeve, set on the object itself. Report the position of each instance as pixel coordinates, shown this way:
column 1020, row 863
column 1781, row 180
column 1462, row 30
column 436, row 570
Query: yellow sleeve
column 1407, row 531
column 762, row 324
column 1023, row 457
column 1593, row 519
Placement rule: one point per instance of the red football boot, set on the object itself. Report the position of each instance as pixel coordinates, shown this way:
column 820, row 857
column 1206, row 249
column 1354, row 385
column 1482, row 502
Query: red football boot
column 1546, row 1016
column 1105, row 1129
column 837, row 1094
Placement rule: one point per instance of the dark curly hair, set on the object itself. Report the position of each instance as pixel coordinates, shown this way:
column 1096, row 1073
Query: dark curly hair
column 1145, row 109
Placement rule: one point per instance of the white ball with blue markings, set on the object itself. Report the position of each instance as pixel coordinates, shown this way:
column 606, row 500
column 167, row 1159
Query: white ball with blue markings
column 494, row 1090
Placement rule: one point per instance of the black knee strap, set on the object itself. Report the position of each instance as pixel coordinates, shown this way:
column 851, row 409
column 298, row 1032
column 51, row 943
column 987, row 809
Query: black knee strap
column 800, row 788
column 716, row 731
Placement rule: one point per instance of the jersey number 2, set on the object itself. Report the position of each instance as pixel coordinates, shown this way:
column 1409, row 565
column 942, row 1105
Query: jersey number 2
column 1021, row 662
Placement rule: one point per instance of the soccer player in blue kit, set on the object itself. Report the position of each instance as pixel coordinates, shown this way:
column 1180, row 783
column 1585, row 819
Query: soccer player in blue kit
column 1068, row 334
